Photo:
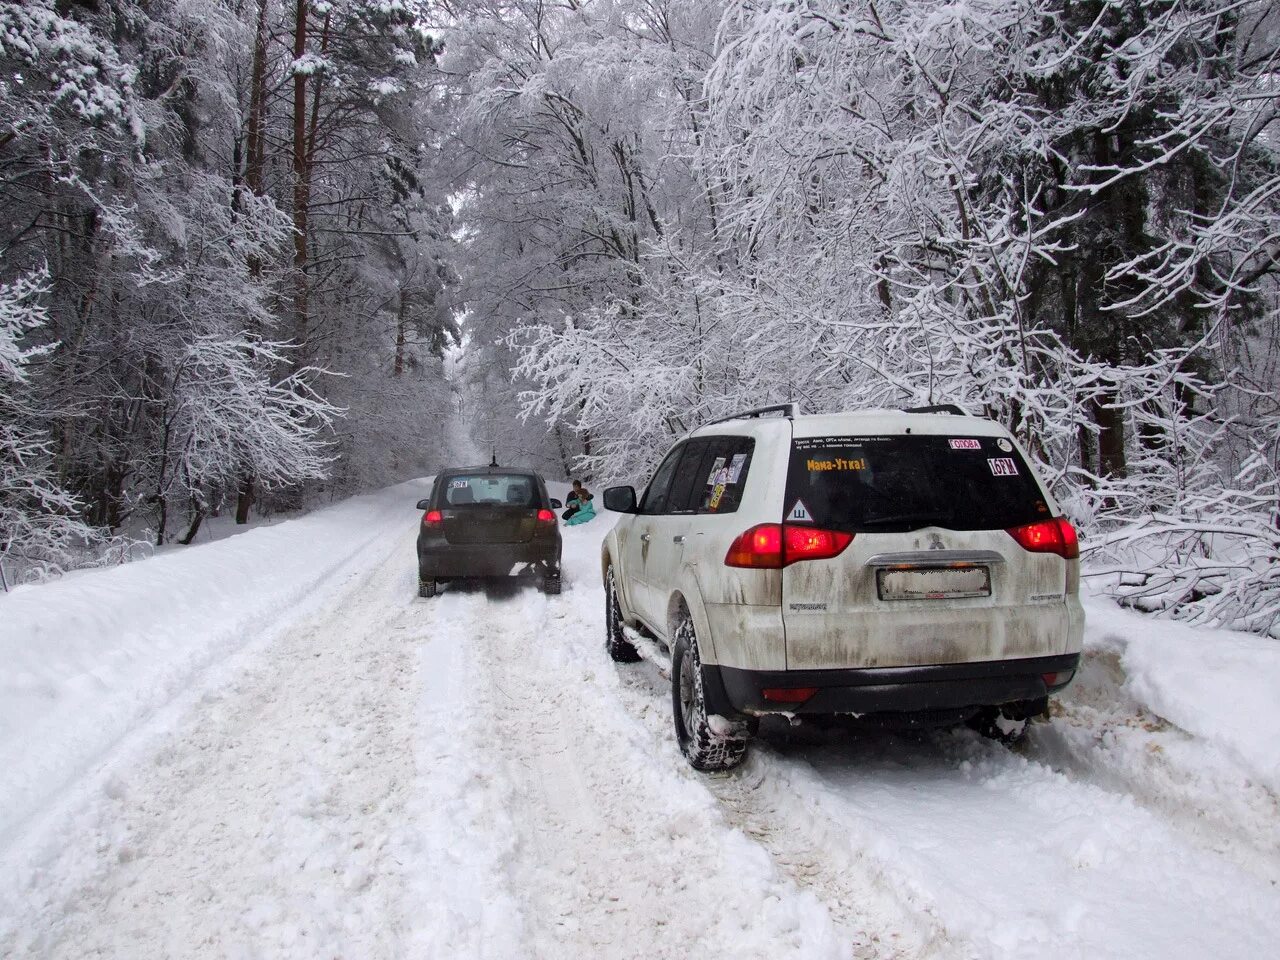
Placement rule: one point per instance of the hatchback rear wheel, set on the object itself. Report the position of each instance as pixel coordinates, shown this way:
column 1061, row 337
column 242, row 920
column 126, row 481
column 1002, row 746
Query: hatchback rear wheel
column 701, row 745
column 426, row 587
column 551, row 581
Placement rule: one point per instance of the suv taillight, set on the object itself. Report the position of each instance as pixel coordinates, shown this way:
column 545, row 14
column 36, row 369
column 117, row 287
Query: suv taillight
column 1048, row 536
column 772, row 546
column 432, row 518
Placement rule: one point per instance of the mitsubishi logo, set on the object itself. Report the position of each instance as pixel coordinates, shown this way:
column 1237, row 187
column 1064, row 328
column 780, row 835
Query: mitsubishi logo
column 935, row 542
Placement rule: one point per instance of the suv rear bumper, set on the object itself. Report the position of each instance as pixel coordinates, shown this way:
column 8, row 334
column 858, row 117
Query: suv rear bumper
column 731, row 692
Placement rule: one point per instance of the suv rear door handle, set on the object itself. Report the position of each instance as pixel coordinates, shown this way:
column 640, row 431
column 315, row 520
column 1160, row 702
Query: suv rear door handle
column 678, row 538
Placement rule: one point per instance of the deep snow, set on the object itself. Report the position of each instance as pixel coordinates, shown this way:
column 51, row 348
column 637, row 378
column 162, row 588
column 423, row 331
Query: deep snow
column 268, row 747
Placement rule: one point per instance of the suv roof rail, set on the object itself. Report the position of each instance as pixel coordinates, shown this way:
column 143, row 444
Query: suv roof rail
column 788, row 410
column 950, row 408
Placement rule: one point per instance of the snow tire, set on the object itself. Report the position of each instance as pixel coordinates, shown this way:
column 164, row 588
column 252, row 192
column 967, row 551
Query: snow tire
column 426, row 588
column 615, row 640
column 704, row 748
column 551, row 584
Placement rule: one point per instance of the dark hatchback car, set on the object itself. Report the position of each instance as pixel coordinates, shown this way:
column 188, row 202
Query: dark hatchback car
column 488, row 522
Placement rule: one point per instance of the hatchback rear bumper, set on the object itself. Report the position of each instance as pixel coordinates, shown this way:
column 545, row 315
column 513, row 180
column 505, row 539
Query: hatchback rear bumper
column 484, row 559
column 732, row 692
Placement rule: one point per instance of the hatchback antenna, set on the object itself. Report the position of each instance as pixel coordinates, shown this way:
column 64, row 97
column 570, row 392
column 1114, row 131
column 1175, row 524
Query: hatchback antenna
column 493, row 460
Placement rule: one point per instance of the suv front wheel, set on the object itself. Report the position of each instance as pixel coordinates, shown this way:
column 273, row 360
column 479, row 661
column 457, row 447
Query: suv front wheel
column 701, row 745
column 615, row 641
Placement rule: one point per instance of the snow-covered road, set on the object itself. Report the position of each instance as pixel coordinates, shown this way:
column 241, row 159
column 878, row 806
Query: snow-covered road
column 352, row 772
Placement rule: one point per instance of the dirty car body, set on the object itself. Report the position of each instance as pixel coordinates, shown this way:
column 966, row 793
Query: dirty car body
column 894, row 566
column 489, row 521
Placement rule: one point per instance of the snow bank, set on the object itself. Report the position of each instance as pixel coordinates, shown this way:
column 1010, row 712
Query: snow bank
column 86, row 659
column 1217, row 684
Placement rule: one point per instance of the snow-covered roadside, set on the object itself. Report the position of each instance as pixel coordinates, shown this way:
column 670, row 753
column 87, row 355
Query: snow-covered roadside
column 266, row 812
column 87, row 659
column 1219, row 685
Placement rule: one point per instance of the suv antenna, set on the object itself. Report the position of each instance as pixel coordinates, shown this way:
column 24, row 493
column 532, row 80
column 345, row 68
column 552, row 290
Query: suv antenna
column 493, row 460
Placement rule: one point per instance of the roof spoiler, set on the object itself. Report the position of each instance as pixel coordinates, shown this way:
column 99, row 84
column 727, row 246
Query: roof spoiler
column 950, row 408
column 788, row 410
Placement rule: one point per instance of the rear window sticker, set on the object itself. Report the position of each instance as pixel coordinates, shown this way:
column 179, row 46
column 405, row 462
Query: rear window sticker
column 459, row 484
column 1004, row 445
column 735, row 466
column 715, row 471
column 1003, row 467
column 717, row 494
column 799, row 513
column 964, row 444
column 835, row 463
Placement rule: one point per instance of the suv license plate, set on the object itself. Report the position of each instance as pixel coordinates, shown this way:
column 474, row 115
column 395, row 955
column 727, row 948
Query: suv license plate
column 934, row 583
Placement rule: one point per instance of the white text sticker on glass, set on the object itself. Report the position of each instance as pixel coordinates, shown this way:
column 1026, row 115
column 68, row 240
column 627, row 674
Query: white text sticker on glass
column 1003, row 467
column 799, row 514
column 1004, row 445
column 715, row 469
column 458, row 484
column 964, row 443
column 735, row 466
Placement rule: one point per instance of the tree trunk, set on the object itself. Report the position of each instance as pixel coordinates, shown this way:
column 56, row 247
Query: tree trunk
column 301, row 176
column 244, row 499
column 256, row 150
column 398, row 367
column 196, row 518
column 1111, row 456
column 161, row 528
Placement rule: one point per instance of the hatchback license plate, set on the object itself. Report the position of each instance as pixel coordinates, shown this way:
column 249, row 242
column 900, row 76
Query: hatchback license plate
column 934, row 583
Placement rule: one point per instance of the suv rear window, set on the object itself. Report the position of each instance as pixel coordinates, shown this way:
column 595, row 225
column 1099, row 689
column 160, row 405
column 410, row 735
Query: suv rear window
column 899, row 483
column 512, row 489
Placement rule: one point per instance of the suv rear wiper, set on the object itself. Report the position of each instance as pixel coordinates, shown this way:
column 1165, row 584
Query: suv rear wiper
column 920, row 519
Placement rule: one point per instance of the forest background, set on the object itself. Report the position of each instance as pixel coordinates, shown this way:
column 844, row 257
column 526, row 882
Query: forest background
column 255, row 254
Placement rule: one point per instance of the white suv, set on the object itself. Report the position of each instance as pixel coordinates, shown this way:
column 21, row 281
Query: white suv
column 900, row 566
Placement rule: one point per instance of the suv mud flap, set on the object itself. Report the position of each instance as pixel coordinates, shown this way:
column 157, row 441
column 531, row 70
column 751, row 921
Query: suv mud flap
column 714, row 694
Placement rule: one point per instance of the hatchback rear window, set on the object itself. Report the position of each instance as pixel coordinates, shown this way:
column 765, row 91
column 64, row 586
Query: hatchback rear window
column 513, row 489
column 899, row 483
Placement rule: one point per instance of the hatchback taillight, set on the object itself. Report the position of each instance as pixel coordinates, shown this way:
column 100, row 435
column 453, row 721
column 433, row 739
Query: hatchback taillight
column 772, row 546
column 432, row 518
column 546, row 516
column 1048, row 536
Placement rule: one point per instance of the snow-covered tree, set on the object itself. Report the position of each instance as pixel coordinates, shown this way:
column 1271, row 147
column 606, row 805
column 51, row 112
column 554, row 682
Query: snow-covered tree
column 38, row 518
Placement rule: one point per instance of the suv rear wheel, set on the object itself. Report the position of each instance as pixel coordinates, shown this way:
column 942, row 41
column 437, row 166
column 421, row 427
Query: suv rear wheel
column 1008, row 724
column 702, row 747
column 426, row 587
column 615, row 641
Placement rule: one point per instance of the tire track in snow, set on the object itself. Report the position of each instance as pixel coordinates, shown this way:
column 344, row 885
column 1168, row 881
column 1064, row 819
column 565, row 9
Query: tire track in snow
column 265, row 823
column 1101, row 736
column 811, row 851
column 1013, row 857
column 825, row 810
column 617, row 852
